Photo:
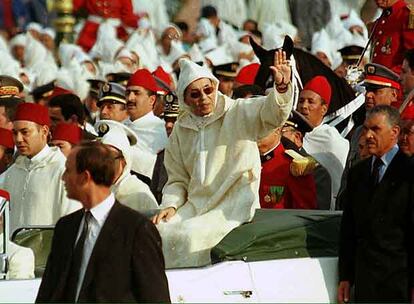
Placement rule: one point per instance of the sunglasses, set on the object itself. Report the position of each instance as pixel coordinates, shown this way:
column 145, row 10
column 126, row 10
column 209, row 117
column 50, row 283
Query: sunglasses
column 197, row 94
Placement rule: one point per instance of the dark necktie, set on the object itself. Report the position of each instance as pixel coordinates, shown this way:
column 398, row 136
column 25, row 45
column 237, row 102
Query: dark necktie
column 77, row 260
column 376, row 167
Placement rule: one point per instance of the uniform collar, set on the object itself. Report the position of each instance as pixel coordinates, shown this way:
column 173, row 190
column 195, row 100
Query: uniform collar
column 275, row 151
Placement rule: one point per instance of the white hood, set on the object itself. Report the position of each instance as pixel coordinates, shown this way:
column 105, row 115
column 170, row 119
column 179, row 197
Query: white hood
column 321, row 42
column 189, row 72
column 67, row 52
column 19, row 39
column 272, row 36
column 176, row 52
column 35, row 52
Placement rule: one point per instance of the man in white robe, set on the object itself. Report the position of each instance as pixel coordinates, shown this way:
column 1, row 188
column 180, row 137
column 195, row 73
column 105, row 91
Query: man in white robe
column 213, row 163
column 324, row 142
column 34, row 181
column 152, row 137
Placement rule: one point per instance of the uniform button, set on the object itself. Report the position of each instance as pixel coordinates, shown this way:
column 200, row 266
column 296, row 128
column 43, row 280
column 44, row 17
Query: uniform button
column 383, row 21
column 376, row 43
column 375, row 54
column 380, row 33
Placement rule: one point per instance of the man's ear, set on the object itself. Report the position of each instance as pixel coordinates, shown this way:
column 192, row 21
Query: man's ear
column 324, row 108
column 153, row 98
column 395, row 131
column 394, row 95
column 45, row 130
column 85, row 177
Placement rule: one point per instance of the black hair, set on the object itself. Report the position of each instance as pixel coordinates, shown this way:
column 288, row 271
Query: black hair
column 208, row 11
column 70, row 104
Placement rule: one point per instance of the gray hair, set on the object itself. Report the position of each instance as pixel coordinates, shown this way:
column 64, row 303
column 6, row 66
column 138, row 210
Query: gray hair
column 392, row 115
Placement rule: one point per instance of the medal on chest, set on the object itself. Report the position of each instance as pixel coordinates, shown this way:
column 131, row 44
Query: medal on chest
column 275, row 194
column 386, row 49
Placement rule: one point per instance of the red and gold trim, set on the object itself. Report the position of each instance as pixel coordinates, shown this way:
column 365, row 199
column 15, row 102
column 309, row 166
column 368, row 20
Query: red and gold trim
column 8, row 91
column 382, row 81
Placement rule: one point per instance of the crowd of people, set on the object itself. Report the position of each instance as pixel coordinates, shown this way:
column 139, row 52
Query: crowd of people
column 169, row 120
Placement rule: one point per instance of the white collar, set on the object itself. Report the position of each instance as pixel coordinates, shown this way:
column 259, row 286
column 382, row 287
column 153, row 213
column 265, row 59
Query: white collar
column 39, row 156
column 100, row 212
column 147, row 116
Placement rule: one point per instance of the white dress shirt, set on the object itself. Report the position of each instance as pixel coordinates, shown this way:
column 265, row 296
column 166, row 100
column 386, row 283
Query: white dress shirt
column 99, row 214
column 386, row 160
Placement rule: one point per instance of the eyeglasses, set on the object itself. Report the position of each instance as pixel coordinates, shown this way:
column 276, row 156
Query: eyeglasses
column 197, row 94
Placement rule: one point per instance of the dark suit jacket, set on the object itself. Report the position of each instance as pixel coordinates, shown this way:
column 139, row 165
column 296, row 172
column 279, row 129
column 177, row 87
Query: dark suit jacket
column 376, row 238
column 126, row 264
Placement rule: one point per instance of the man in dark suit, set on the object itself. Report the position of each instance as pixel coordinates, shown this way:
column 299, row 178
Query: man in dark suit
column 105, row 252
column 376, row 237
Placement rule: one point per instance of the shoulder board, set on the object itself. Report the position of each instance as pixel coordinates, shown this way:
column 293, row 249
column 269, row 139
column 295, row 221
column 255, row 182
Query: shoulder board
column 411, row 16
column 294, row 154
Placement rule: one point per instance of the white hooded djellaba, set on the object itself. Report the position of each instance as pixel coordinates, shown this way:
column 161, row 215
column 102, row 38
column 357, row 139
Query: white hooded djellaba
column 213, row 168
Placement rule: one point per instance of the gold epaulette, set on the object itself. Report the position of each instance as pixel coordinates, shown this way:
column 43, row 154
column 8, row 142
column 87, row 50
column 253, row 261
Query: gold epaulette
column 411, row 16
column 301, row 165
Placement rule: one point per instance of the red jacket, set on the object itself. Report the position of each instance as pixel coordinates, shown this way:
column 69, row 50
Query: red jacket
column 279, row 189
column 117, row 9
column 394, row 34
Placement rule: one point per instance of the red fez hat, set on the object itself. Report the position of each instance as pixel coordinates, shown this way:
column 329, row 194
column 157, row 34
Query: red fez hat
column 32, row 112
column 320, row 86
column 58, row 91
column 71, row 133
column 247, row 74
column 6, row 138
column 163, row 75
column 143, row 78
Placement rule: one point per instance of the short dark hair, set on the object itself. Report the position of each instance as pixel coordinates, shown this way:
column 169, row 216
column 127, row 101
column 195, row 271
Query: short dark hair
column 208, row 11
column 391, row 113
column 10, row 106
column 256, row 25
column 70, row 104
column 409, row 56
column 183, row 26
column 98, row 159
